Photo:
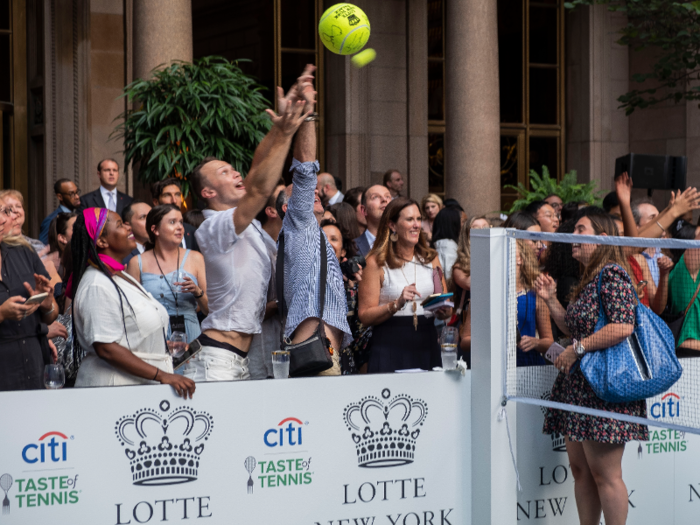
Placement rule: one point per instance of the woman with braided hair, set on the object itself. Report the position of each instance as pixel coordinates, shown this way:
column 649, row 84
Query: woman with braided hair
column 121, row 326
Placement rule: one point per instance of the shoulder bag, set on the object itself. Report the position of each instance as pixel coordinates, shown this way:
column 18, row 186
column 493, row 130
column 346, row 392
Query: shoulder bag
column 642, row 366
column 313, row 356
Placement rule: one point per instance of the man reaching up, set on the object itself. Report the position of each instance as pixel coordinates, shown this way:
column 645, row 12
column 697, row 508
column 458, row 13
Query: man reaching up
column 235, row 255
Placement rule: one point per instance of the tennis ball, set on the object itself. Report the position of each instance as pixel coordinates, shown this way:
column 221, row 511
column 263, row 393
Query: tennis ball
column 344, row 29
column 364, row 57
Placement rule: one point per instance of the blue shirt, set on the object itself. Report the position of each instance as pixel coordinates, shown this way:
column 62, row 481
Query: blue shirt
column 653, row 264
column 302, row 260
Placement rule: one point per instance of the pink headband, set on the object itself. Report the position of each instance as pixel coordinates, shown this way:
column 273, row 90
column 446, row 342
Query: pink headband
column 95, row 220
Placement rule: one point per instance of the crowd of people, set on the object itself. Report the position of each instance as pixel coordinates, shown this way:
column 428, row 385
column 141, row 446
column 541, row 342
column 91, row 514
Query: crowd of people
column 262, row 266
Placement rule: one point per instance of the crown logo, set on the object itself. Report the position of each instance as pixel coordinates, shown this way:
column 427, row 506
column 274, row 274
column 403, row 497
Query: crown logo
column 558, row 442
column 385, row 430
column 164, row 449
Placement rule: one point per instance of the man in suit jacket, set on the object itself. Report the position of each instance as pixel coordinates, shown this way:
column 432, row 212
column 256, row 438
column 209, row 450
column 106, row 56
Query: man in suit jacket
column 374, row 201
column 68, row 195
column 169, row 191
column 107, row 196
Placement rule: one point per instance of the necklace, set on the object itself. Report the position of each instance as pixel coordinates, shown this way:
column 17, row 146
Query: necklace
column 415, row 306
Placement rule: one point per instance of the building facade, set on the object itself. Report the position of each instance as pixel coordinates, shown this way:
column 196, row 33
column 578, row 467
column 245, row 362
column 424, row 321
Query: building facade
column 464, row 97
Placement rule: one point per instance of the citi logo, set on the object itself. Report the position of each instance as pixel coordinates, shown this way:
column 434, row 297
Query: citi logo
column 669, row 406
column 288, row 432
column 47, row 450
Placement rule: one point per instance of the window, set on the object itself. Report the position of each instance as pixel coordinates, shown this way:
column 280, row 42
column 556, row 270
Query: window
column 279, row 37
column 531, row 75
column 436, row 96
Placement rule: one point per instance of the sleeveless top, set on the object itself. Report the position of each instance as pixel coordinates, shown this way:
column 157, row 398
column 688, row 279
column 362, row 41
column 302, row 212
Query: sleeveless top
column 187, row 305
column 396, row 280
column 527, row 325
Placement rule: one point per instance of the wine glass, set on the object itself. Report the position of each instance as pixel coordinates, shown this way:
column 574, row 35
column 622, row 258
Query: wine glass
column 54, row 377
column 178, row 344
column 449, row 339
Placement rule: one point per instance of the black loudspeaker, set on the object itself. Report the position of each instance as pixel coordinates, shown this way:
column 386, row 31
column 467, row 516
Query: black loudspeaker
column 654, row 172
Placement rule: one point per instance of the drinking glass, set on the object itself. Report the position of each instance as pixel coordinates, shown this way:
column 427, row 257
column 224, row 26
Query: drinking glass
column 178, row 344
column 449, row 339
column 54, row 377
column 280, row 364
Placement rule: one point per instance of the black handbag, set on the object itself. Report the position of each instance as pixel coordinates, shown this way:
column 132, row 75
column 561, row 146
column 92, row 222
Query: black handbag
column 314, row 355
column 675, row 322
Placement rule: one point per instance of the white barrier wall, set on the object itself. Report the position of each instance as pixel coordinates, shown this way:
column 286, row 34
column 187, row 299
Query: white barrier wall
column 662, row 476
column 363, row 450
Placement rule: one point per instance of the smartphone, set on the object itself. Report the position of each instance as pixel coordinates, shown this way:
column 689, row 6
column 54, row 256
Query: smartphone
column 554, row 351
column 36, row 299
column 193, row 350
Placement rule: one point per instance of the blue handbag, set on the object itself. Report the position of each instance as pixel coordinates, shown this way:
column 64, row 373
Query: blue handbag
column 642, row 366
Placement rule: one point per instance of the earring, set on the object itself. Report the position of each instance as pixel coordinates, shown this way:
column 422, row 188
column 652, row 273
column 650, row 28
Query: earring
column 394, row 237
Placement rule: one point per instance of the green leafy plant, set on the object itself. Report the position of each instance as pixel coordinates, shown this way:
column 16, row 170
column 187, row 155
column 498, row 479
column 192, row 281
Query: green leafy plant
column 672, row 29
column 190, row 111
column 541, row 187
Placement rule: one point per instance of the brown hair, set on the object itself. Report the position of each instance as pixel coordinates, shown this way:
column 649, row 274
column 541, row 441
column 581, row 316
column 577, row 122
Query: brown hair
column 604, row 254
column 383, row 248
column 388, row 174
column 198, row 180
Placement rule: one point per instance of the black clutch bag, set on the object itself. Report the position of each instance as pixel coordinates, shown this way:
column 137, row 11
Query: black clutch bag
column 314, row 355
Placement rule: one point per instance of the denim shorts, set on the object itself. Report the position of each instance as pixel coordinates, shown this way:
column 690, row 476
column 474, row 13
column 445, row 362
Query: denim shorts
column 216, row 364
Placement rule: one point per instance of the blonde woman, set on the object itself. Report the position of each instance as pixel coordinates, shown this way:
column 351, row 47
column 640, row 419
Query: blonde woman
column 534, row 331
column 430, row 206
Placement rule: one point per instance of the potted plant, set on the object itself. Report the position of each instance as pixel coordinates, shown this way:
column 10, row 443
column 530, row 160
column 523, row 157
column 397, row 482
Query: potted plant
column 189, row 111
column 568, row 190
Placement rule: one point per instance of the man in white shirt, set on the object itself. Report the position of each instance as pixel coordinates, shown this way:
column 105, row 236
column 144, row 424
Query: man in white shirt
column 107, row 195
column 393, row 180
column 374, row 201
column 135, row 215
column 327, row 189
column 233, row 244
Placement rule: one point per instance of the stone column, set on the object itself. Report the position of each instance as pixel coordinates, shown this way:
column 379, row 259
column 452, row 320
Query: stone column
column 472, row 108
column 162, row 33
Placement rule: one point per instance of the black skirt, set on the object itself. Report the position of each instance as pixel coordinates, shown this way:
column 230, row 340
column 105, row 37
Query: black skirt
column 396, row 345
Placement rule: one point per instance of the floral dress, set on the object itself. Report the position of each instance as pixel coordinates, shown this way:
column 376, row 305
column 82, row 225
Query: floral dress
column 574, row 389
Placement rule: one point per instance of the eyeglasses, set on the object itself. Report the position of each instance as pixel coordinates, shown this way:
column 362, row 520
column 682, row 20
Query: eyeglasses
column 72, row 194
column 6, row 211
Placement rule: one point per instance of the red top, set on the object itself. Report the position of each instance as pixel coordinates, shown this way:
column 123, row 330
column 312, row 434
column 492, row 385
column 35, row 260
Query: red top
column 638, row 277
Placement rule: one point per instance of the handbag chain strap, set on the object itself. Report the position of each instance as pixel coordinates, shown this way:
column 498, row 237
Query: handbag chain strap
column 279, row 278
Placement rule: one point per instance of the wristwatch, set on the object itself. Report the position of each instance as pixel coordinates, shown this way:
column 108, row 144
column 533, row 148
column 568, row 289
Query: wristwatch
column 579, row 348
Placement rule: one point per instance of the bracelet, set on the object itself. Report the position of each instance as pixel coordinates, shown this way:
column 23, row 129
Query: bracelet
column 312, row 118
column 199, row 296
column 53, row 307
column 662, row 228
column 154, row 377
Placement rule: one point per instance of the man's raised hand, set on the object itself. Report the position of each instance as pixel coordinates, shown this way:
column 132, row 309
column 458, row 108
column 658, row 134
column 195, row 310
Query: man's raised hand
column 288, row 122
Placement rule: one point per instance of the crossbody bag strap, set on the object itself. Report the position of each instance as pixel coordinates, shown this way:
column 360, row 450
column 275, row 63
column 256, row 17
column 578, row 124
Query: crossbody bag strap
column 324, row 271
column 693, row 299
column 279, row 279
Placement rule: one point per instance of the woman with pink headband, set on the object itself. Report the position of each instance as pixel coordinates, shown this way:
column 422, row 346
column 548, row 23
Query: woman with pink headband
column 118, row 323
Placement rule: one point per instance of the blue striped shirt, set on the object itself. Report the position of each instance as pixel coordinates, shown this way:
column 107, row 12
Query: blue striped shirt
column 302, row 261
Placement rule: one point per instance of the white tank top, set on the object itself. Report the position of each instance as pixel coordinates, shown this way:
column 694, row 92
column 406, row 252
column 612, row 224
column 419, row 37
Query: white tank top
column 396, row 280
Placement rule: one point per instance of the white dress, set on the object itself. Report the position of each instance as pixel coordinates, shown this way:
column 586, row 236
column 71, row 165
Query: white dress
column 447, row 253
column 98, row 319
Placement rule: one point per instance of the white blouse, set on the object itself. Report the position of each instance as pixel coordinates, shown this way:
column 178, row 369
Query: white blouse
column 98, row 319
column 396, row 280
